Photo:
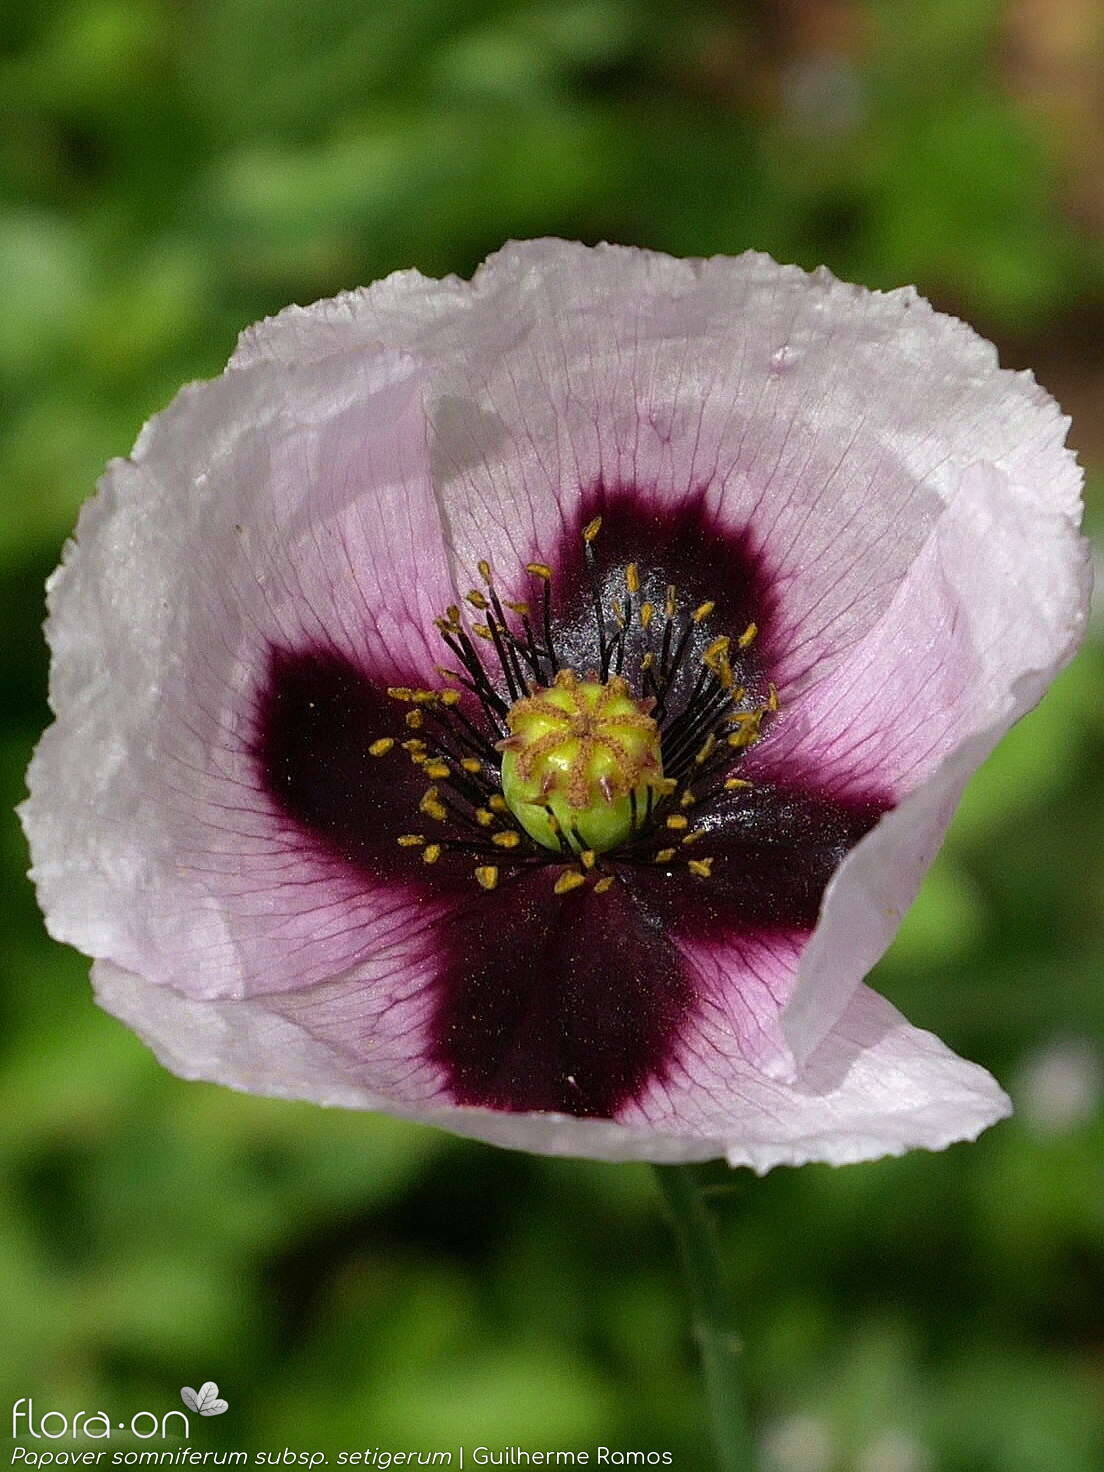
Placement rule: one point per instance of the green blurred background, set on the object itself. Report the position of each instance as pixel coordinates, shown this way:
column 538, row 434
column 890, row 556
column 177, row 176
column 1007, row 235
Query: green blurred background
column 170, row 170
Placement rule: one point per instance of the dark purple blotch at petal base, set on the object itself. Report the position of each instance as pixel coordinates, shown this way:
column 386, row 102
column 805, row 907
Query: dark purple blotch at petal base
column 572, row 1003
column 681, row 545
column 318, row 714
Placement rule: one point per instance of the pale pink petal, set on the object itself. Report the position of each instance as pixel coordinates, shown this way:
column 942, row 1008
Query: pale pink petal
column 876, row 1086
column 269, row 507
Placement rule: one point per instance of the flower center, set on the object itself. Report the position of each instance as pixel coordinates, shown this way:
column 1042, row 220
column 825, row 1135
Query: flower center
column 582, row 760
column 547, row 768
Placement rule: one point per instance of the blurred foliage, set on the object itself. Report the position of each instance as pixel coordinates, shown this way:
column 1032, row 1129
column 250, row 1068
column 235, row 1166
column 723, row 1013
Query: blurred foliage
column 171, row 170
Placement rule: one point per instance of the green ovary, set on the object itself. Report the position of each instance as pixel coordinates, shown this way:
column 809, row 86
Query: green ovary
column 580, row 757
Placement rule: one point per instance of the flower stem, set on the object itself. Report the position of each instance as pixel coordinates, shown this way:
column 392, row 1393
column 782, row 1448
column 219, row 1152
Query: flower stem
column 718, row 1342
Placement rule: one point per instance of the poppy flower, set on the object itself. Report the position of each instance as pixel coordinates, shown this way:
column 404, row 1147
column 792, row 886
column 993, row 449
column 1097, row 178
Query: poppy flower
column 528, row 705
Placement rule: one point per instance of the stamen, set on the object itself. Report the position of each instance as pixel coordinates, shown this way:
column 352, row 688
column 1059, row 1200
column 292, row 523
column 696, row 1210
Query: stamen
column 432, row 805
column 463, row 747
column 570, row 879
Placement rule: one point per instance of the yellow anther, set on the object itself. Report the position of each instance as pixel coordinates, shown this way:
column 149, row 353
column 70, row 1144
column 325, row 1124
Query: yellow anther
column 702, row 611
column 647, row 613
column 521, row 608
column 447, row 674
column 748, row 635
column 713, row 654
column 587, row 858
column 678, row 820
column 411, row 840
column 432, row 805
column 670, row 603
column 703, row 868
column 772, row 698
column 431, row 853
column 382, row 746
column 476, row 599
column 632, row 578
column 425, row 697
column 648, row 660
column 606, row 882
column 438, row 771
column 570, row 879
column 400, row 692
column 446, row 626
column 484, row 817
column 687, row 799
column 484, row 569
column 497, row 803
column 665, row 785
column 487, row 876
column 747, row 732
column 734, row 784
column 414, row 745
column 481, row 631
column 449, row 697
column 539, row 570
column 471, row 764
column 693, row 837
column 707, row 749
column 665, row 855
column 591, row 530
column 453, row 611
column 506, row 839
column 415, row 720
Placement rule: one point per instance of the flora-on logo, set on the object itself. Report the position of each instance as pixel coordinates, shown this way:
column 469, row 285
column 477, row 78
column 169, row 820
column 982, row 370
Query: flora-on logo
column 52, row 1425
column 205, row 1400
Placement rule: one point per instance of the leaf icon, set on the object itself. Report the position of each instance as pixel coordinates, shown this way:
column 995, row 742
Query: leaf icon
column 205, row 1400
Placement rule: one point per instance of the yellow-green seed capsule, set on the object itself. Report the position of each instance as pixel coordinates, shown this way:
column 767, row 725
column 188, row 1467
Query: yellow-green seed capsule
column 580, row 759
